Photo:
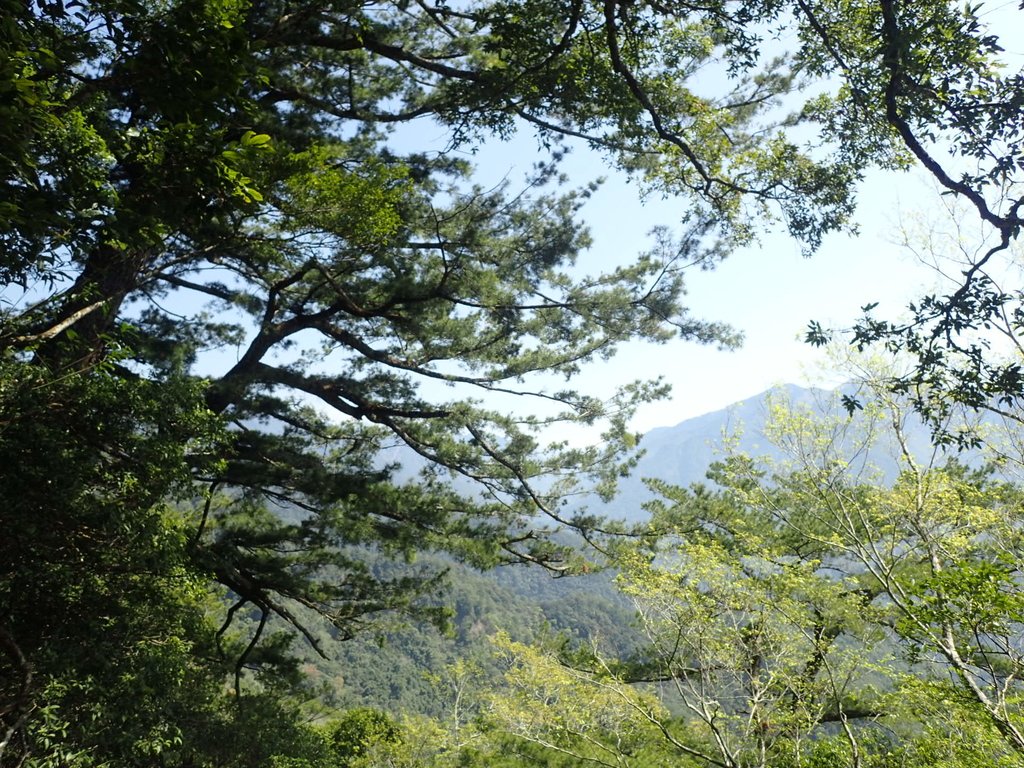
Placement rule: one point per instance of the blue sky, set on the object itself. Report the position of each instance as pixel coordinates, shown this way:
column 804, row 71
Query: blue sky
column 768, row 291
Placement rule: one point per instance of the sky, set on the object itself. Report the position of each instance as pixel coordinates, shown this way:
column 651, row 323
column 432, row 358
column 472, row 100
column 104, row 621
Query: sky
column 768, row 291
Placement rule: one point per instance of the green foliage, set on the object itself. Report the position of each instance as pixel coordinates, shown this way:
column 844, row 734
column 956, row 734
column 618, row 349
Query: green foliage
column 801, row 613
column 938, row 78
column 580, row 715
column 183, row 177
column 354, row 738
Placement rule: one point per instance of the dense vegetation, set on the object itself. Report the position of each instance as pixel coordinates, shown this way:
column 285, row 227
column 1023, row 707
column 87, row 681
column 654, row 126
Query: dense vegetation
column 232, row 291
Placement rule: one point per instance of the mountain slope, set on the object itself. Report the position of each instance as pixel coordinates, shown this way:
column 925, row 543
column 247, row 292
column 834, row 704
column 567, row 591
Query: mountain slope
column 682, row 454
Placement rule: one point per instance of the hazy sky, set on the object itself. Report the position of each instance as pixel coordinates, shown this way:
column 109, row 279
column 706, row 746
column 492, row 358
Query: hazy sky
column 769, row 291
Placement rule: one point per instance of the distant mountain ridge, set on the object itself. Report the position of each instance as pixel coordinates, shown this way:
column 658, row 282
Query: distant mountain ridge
column 682, row 454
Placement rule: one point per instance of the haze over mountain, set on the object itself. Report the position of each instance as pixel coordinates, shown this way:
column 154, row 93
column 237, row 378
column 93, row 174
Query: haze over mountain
column 682, row 454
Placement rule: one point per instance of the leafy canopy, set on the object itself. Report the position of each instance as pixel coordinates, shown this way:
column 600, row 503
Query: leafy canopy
column 228, row 289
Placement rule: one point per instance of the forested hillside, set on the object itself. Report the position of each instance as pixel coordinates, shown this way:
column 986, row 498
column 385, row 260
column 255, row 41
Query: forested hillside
column 234, row 282
column 403, row 670
column 397, row 670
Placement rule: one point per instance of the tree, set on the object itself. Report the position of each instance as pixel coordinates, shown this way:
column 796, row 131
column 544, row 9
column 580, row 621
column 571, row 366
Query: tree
column 936, row 77
column 806, row 612
column 553, row 713
column 189, row 176
column 932, row 558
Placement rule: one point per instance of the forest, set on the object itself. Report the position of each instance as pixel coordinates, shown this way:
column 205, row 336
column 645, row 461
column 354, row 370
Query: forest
column 285, row 389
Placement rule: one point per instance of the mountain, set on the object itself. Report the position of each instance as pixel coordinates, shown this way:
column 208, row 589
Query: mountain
column 681, row 455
